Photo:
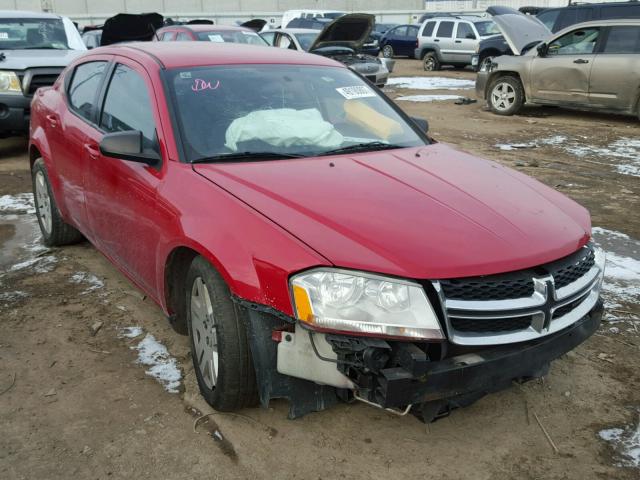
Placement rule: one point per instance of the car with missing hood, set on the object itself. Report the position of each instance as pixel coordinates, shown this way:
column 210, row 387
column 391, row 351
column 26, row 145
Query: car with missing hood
column 310, row 238
column 588, row 66
column 34, row 49
column 343, row 40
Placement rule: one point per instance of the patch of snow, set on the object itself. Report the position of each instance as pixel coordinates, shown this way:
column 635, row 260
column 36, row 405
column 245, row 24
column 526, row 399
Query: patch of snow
column 428, row 98
column 431, row 83
column 19, row 203
column 130, row 332
column 626, row 442
column 12, row 296
column 93, row 282
column 42, row 264
column 163, row 367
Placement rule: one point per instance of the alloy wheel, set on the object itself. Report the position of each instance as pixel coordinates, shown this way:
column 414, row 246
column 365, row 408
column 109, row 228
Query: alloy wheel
column 204, row 331
column 43, row 202
column 387, row 51
column 503, row 96
column 429, row 64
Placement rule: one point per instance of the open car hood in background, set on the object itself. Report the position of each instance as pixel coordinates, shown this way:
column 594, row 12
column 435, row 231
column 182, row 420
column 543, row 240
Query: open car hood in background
column 129, row 27
column 351, row 30
column 519, row 30
column 256, row 24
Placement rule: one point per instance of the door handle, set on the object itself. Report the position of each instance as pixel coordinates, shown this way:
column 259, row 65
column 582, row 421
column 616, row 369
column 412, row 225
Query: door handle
column 436, row 39
column 53, row 120
column 458, row 41
column 581, row 60
column 92, row 150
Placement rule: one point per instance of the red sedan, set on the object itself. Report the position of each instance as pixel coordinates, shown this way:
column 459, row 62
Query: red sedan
column 311, row 239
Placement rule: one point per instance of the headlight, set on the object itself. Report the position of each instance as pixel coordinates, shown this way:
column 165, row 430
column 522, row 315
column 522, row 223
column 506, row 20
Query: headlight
column 9, row 82
column 362, row 303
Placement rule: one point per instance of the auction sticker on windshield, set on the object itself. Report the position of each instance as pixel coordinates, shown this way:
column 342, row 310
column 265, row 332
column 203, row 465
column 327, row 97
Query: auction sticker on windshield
column 357, row 91
column 216, row 38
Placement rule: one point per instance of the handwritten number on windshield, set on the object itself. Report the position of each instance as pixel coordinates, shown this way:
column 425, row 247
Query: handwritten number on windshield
column 199, row 85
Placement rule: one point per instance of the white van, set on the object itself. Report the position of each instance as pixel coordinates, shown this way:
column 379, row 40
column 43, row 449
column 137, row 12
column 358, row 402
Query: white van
column 291, row 14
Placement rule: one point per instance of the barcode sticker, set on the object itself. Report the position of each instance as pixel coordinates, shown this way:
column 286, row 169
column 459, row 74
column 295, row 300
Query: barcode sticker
column 357, row 91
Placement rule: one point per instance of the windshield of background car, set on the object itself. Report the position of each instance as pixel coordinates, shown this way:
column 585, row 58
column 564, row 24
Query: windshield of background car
column 281, row 109
column 306, row 39
column 32, row 33
column 232, row 36
column 487, row 28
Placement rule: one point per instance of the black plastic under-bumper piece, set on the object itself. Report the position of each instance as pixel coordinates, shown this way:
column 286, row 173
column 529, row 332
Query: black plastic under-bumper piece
column 481, row 372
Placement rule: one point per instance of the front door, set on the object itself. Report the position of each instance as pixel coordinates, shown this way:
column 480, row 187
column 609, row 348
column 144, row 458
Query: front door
column 465, row 43
column 121, row 195
column 444, row 40
column 562, row 74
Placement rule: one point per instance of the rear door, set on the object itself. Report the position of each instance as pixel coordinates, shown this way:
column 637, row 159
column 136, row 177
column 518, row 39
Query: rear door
column 562, row 75
column 427, row 33
column 444, row 39
column 67, row 130
column 409, row 40
column 615, row 76
column 465, row 42
column 396, row 39
column 121, row 195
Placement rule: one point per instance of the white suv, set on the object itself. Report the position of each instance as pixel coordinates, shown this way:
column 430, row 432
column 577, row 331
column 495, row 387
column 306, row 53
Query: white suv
column 451, row 40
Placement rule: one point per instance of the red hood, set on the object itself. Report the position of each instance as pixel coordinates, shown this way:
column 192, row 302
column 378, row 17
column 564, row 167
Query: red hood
column 440, row 215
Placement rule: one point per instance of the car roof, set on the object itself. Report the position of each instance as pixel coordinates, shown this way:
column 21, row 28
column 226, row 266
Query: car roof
column 198, row 54
column 26, row 14
column 209, row 27
column 600, row 23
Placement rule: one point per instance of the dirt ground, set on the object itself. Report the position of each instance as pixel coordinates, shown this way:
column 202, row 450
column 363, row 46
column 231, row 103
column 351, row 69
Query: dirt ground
column 74, row 405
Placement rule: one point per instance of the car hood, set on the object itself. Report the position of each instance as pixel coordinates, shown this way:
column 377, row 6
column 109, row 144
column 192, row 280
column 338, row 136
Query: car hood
column 519, row 30
column 23, row 59
column 351, row 30
column 423, row 213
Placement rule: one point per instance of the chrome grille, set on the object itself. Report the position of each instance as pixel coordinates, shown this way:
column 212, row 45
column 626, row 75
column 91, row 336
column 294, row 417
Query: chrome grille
column 34, row 78
column 522, row 305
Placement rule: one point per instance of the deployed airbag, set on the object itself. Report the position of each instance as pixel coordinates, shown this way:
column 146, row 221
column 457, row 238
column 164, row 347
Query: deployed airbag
column 283, row 127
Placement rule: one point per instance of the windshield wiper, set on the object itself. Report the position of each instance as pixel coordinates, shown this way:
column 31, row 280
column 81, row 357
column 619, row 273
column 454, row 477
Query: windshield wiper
column 361, row 147
column 246, row 156
column 45, row 47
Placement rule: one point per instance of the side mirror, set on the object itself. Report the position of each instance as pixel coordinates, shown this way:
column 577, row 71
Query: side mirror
column 127, row 146
column 422, row 124
column 542, row 49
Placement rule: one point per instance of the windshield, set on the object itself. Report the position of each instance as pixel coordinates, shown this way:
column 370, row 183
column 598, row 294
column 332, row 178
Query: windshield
column 487, row 28
column 32, row 33
column 306, row 39
column 232, row 36
column 282, row 109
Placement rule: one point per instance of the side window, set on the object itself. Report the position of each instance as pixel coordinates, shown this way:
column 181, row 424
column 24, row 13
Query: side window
column 623, row 40
column 127, row 106
column 571, row 16
column 445, row 30
column 269, row 37
column 400, row 32
column 285, row 41
column 84, row 87
column 578, row 42
column 412, row 32
column 167, row 36
column 465, row 31
column 549, row 18
column 619, row 11
column 428, row 29
column 183, row 37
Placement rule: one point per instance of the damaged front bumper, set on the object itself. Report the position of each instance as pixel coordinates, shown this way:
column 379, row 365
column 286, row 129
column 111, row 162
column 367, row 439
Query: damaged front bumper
column 481, row 84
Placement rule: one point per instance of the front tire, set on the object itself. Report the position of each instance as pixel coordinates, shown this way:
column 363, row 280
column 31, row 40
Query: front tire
column 219, row 343
column 506, row 95
column 55, row 232
column 430, row 63
column 387, row 51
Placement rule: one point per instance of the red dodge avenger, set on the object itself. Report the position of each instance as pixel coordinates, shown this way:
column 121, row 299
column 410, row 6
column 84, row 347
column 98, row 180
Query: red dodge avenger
column 310, row 238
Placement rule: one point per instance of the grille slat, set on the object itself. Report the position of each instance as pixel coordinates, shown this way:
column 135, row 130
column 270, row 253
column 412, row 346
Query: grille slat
column 491, row 325
column 38, row 81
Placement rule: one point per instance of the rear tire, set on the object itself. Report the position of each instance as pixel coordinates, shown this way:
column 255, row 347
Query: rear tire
column 387, row 51
column 430, row 63
column 505, row 95
column 219, row 343
column 55, row 232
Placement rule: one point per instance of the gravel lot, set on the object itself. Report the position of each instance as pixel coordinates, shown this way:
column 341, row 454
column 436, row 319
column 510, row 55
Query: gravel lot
column 78, row 405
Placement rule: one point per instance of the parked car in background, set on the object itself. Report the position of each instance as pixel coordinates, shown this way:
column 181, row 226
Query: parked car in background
column 34, row 49
column 291, row 14
column 343, row 40
column 554, row 19
column 91, row 38
column 399, row 41
column 310, row 238
column 379, row 29
column 209, row 33
column 451, row 40
column 591, row 66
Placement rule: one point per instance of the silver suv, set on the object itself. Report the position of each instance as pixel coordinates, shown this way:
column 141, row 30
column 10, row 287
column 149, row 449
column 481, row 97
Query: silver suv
column 590, row 66
column 451, row 40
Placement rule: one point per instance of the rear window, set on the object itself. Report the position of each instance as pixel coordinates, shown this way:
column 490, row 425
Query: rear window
column 428, row 29
column 623, row 40
column 445, row 30
column 231, row 36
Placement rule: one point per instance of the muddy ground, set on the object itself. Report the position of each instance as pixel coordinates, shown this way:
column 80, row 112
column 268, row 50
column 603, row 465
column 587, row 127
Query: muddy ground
column 74, row 405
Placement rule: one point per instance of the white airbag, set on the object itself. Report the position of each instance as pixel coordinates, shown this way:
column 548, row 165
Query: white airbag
column 283, row 127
